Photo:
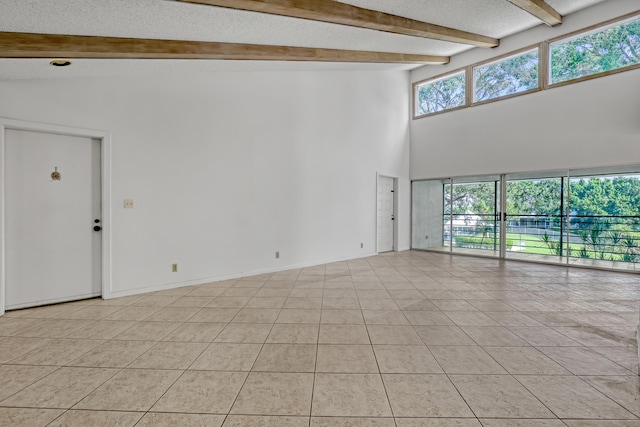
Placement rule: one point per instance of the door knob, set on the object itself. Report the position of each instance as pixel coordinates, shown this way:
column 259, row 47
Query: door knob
column 97, row 228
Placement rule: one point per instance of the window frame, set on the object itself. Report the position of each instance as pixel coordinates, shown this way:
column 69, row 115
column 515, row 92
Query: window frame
column 603, row 26
column 505, row 56
column 544, row 68
column 435, row 79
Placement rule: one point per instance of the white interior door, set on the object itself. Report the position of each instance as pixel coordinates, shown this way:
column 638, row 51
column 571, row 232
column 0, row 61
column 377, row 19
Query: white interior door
column 53, row 253
column 385, row 214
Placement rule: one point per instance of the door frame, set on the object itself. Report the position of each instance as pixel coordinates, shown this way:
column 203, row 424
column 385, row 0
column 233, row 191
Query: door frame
column 105, row 175
column 395, row 210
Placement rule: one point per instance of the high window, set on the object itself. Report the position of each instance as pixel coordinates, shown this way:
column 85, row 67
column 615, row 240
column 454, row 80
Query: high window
column 514, row 74
column 597, row 52
column 440, row 94
column 610, row 48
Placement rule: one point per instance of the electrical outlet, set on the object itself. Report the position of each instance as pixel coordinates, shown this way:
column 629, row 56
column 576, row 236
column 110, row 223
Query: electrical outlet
column 129, row 203
column 278, row 255
column 361, row 245
column 174, row 268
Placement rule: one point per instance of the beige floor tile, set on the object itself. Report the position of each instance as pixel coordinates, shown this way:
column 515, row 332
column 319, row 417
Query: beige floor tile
column 191, row 301
column 57, row 352
column 486, row 422
column 258, row 421
column 287, row 333
column 416, row 305
column 13, row 347
column 624, row 356
column 384, row 317
column 391, row 334
column 113, row 354
column 350, row 395
column 346, row 359
column 625, row 390
column 256, row 315
column 331, row 292
column 148, row 331
column 305, row 303
column 97, row 418
column 470, row 318
column 61, row 389
column 493, row 336
column 101, row 329
column 427, row 318
column 499, row 396
column 599, row 336
column 453, row 305
column 195, row 332
column 343, row 334
column 202, row 392
column 420, row 395
column 14, row 378
column 173, row 314
column 155, row 301
column 286, row 358
column 373, row 294
column 227, row 357
column 512, row 318
column 169, row 355
column 351, row 422
column 466, row 360
column 337, row 303
column 342, row 317
column 406, row 359
column 298, row 315
column 91, row 313
column 24, row 417
column 602, row 423
column 437, row 422
column 133, row 313
column 152, row 419
column 306, row 293
column 443, row 335
column 245, row 291
column 272, row 293
column 130, row 390
column 378, row 304
column 263, row 302
column 571, row 397
column 52, row 328
column 275, row 394
column 543, row 337
column 582, row 361
column 223, row 301
column 244, row 333
column 214, row 315
column 525, row 361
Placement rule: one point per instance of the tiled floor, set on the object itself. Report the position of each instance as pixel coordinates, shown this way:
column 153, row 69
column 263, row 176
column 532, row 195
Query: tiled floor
column 407, row 339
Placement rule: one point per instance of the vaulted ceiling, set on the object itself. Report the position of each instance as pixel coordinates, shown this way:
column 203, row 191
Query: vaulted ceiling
column 142, row 36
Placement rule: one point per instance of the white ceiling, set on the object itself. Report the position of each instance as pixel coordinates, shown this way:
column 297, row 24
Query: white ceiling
column 170, row 19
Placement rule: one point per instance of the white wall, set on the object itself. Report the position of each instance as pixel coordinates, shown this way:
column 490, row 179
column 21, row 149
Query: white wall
column 228, row 168
column 588, row 124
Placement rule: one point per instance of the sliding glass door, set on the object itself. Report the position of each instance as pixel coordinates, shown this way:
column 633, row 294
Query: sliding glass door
column 586, row 217
column 474, row 226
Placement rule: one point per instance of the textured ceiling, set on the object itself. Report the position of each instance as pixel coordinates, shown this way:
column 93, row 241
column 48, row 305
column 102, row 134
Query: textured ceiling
column 169, row 19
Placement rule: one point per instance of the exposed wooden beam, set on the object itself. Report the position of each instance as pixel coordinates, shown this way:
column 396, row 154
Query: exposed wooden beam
column 31, row 45
column 541, row 10
column 345, row 14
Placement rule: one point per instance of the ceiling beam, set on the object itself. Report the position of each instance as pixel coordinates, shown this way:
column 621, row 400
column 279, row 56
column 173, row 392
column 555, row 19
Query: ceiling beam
column 31, row 45
column 541, row 10
column 345, row 14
